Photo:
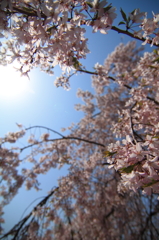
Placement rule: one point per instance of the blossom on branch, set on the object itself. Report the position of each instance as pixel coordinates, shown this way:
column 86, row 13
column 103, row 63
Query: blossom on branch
column 112, row 153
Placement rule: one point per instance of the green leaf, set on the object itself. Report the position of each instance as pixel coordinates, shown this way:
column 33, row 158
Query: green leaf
column 155, row 51
column 89, row 4
column 76, row 63
column 128, row 169
column 153, row 66
column 157, row 137
column 109, row 154
column 28, row 10
column 121, row 23
column 133, row 11
column 150, row 183
column 140, row 103
column 123, row 14
column 156, row 60
column 107, row 8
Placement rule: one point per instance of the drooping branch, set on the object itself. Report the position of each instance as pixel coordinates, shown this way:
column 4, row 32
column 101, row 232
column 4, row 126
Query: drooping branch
column 17, row 228
column 148, row 219
column 49, row 129
column 61, row 139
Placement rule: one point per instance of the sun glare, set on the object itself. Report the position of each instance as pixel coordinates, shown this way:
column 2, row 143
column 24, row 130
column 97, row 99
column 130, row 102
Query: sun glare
column 12, row 85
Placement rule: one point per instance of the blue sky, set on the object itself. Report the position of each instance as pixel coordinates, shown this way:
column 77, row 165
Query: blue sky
column 44, row 104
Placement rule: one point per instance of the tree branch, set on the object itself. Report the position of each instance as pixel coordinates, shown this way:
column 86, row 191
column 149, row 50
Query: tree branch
column 64, row 138
column 49, row 129
column 19, row 225
column 152, row 99
column 33, row 13
column 132, row 35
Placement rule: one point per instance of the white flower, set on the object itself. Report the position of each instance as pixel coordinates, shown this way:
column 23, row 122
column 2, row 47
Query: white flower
column 135, row 17
column 155, row 17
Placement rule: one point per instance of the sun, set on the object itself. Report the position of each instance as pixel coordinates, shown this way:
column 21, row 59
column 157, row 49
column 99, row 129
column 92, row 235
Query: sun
column 12, row 85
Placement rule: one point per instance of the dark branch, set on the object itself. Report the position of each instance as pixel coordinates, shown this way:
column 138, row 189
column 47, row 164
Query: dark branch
column 30, row 13
column 132, row 35
column 152, row 99
column 49, row 129
column 64, row 138
column 16, row 229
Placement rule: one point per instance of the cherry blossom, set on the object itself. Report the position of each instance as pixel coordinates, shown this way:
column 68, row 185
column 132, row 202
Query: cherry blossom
column 136, row 15
column 112, row 153
column 53, row 31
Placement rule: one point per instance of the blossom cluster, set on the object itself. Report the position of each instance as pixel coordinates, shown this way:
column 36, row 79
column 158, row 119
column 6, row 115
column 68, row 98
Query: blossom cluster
column 114, row 149
column 46, row 34
column 111, row 153
column 149, row 26
column 36, row 34
column 135, row 154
